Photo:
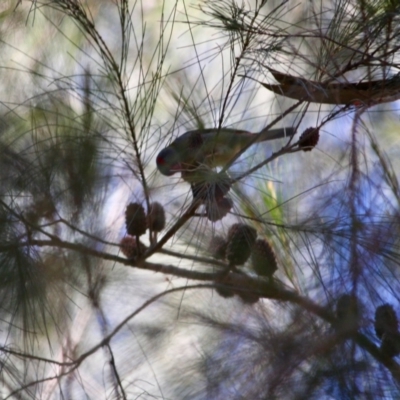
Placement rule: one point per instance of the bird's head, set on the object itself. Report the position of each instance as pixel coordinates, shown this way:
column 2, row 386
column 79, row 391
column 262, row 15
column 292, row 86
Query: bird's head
column 168, row 161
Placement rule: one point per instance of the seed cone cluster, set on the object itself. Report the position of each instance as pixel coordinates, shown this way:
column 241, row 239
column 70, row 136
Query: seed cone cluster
column 211, row 189
column 240, row 244
column 213, row 186
column 218, row 247
column 385, row 320
column 241, row 238
column 156, row 217
column 309, row 139
column 137, row 222
column 245, row 294
column 263, row 258
column 225, row 292
column 216, row 210
column 131, row 248
column 387, row 330
column 135, row 219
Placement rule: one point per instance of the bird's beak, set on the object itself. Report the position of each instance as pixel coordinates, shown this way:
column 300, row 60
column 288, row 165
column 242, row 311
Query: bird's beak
column 176, row 168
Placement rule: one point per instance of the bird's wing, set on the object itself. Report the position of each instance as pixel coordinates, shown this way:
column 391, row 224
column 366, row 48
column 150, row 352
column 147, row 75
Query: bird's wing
column 220, row 146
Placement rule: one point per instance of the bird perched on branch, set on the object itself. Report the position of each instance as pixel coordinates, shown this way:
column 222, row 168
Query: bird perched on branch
column 204, row 149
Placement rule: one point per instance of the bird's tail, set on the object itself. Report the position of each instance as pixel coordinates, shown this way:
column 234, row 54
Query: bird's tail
column 279, row 133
